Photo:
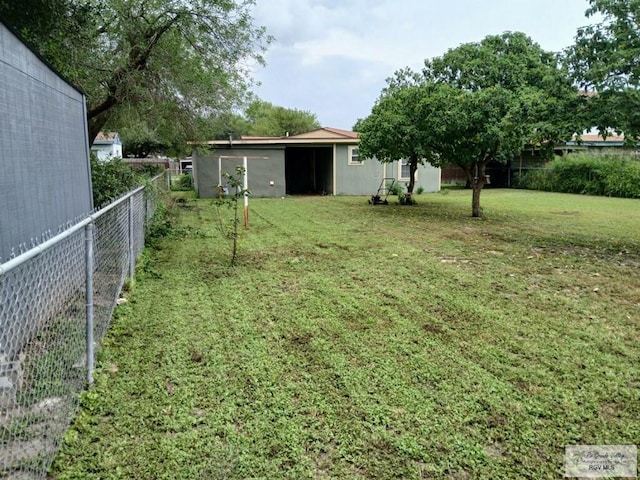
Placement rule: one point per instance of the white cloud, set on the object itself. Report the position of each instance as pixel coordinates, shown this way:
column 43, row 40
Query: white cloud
column 332, row 56
column 346, row 44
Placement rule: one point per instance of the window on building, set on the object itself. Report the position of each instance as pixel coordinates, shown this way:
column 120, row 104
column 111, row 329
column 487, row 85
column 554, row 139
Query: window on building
column 404, row 170
column 354, row 157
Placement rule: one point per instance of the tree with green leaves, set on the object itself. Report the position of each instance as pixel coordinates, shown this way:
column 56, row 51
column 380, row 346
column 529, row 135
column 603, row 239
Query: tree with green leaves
column 492, row 98
column 230, row 230
column 606, row 59
column 49, row 25
column 168, row 63
column 397, row 129
column 478, row 103
column 225, row 125
column 473, row 128
column 267, row 119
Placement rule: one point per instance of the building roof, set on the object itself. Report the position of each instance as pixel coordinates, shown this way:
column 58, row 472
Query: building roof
column 596, row 140
column 324, row 135
column 328, row 132
column 599, row 138
column 109, row 138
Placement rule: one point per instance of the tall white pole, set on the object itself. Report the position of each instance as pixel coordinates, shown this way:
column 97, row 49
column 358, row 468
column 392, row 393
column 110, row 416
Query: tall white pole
column 246, row 192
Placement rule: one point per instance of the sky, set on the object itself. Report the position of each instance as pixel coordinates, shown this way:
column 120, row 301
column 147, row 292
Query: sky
column 332, row 57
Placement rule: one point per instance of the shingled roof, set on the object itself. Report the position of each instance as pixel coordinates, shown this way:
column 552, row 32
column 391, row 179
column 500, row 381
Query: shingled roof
column 324, row 135
column 107, row 137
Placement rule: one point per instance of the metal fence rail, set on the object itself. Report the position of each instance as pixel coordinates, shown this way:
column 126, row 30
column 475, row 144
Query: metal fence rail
column 56, row 301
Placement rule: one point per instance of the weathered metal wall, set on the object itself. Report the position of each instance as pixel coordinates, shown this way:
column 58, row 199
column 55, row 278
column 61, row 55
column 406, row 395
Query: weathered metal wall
column 364, row 179
column 261, row 171
column 44, row 157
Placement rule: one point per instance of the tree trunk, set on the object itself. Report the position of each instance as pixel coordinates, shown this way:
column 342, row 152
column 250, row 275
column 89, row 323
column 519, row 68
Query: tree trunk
column 413, row 168
column 95, row 125
column 476, row 211
column 477, row 179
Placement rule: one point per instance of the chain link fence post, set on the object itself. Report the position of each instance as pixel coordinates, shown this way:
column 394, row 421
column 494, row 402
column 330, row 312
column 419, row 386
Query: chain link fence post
column 88, row 238
column 132, row 258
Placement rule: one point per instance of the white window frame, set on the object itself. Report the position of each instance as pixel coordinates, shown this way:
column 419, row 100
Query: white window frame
column 350, row 155
column 404, row 161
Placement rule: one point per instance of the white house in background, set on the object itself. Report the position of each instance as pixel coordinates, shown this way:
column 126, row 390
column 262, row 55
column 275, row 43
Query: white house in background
column 107, row 145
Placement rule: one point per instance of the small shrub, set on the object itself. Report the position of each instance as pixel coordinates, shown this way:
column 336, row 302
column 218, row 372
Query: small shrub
column 183, row 184
column 111, row 179
column 404, row 199
column 420, row 190
column 161, row 224
column 394, row 188
column 231, row 232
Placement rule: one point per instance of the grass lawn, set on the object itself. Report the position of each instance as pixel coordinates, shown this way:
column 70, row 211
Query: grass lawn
column 357, row 341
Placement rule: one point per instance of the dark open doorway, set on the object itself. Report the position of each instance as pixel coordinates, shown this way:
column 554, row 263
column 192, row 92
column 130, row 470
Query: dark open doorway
column 309, row 170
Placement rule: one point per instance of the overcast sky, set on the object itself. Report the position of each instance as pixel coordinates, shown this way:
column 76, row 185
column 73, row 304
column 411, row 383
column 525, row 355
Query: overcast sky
column 331, row 57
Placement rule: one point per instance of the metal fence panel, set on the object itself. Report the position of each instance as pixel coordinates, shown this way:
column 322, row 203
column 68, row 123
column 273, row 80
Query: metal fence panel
column 111, row 260
column 56, row 302
column 44, row 152
column 42, row 363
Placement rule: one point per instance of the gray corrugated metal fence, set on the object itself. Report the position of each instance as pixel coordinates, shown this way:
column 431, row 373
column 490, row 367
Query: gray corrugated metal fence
column 44, row 151
column 56, row 301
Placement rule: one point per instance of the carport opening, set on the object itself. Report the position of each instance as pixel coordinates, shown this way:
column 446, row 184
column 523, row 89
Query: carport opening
column 309, row 170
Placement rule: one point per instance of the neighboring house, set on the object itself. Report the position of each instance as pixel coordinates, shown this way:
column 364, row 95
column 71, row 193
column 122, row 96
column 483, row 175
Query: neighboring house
column 107, row 145
column 320, row 162
column 531, row 158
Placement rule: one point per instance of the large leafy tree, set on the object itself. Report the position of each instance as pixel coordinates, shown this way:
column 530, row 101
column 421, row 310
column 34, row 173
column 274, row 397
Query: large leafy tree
column 478, row 103
column 226, row 125
column 260, row 118
column 606, row 59
column 266, row 119
column 397, row 127
column 164, row 62
column 47, row 24
column 473, row 128
column 494, row 97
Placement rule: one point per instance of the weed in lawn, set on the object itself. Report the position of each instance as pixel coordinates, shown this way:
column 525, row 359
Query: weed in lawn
column 231, row 201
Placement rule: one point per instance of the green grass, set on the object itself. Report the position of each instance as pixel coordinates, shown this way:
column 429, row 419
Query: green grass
column 358, row 341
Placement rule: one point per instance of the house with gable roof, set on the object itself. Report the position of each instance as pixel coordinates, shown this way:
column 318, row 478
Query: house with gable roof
column 324, row 161
column 107, row 145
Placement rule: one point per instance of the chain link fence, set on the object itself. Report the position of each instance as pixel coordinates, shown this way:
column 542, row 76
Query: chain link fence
column 56, row 301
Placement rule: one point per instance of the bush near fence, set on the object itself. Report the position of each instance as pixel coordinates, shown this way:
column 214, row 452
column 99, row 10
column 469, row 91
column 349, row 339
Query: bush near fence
column 113, row 178
column 184, row 183
column 604, row 175
column 56, row 301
